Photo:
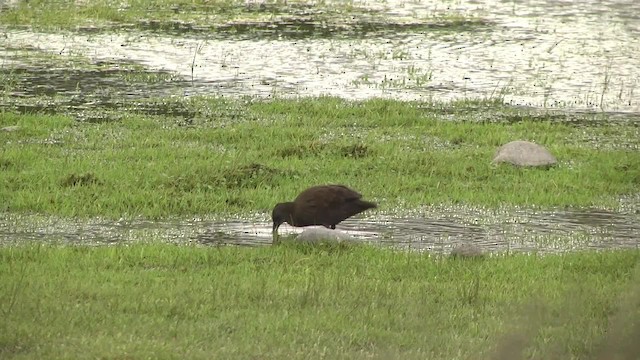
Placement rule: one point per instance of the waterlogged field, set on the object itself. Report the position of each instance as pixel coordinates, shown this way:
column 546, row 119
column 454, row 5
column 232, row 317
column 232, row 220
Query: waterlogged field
column 329, row 301
column 250, row 19
column 544, row 54
column 177, row 122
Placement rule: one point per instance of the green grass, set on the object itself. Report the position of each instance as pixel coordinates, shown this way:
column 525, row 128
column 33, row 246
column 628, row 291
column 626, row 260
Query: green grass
column 299, row 302
column 67, row 14
column 233, row 157
column 230, row 17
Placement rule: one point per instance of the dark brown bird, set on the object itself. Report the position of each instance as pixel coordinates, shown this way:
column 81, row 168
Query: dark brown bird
column 325, row 205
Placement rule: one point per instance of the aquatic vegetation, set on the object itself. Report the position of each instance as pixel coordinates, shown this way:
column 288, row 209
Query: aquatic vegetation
column 233, row 18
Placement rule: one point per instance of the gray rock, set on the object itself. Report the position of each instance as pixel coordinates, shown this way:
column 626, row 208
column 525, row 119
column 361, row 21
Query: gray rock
column 10, row 128
column 321, row 233
column 467, row 251
column 524, row 153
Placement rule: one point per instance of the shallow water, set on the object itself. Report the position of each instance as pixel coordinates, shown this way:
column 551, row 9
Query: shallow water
column 437, row 230
column 567, row 54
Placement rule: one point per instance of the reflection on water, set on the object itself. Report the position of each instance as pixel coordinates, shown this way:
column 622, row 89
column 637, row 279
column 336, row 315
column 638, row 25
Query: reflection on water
column 435, row 230
column 577, row 54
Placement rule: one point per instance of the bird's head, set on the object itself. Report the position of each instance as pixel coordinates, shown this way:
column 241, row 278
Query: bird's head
column 281, row 213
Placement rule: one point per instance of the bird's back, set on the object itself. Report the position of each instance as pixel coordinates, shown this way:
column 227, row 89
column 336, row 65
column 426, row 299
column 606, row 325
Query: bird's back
column 328, row 205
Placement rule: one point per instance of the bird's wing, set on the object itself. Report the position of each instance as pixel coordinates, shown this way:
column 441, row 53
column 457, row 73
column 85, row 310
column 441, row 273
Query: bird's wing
column 345, row 194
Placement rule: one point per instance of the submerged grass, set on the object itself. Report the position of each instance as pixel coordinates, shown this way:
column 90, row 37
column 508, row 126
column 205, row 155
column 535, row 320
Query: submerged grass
column 298, row 19
column 299, row 302
column 236, row 156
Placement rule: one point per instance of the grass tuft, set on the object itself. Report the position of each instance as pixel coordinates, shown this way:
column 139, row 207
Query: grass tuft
column 80, row 180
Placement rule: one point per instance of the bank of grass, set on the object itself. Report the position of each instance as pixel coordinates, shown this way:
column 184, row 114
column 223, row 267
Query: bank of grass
column 300, row 302
column 297, row 18
column 217, row 156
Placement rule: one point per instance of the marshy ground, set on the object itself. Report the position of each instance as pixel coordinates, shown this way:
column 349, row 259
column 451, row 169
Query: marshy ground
column 154, row 124
column 545, row 54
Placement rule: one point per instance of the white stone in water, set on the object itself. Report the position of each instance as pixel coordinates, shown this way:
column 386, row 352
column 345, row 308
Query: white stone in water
column 322, row 233
column 524, row 153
